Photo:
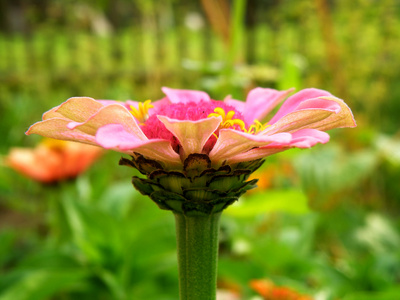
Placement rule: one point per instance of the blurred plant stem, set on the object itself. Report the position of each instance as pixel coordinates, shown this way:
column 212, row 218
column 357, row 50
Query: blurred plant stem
column 236, row 38
column 197, row 244
column 332, row 47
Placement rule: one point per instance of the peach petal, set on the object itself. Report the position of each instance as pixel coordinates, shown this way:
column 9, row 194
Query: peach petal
column 297, row 120
column 185, row 96
column 56, row 128
column 78, row 109
column 291, row 104
column 52, row 113
column 110, row 114
column 114, row 136
column 231, row 143
column 344, row 118
column 192, row 135
column 323, row 119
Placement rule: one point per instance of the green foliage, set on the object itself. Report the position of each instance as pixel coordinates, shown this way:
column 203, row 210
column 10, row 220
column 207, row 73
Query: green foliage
column 328, row 226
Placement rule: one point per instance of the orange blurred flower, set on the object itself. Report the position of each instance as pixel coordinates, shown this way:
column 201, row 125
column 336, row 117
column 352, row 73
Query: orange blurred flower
column 269, row 291
column 52, row 160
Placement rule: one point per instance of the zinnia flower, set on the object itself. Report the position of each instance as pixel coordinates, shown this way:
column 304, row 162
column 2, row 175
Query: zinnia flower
column 197, row 153
column 52, row 160
column 269, row 291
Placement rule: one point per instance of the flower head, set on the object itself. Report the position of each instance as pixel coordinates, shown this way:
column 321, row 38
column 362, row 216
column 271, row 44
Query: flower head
column 187, row 132
column 52, row 160
column 269, row 291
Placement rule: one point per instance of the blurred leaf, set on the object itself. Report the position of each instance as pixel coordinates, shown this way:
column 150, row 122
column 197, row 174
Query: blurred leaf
column 117, row 198
column 291, row 201
column 292, row 63
column 389, row 148
column 7, row 240
column 390, row 294
column 41, row 284
column 378, row 234
column 331, row 169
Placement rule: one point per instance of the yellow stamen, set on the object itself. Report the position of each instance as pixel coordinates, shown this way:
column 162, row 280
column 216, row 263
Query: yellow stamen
column 142, row 112
column 228, row 121
column 257, row 127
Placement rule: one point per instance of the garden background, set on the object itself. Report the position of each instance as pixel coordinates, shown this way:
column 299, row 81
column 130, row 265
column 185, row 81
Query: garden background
column 324, row 222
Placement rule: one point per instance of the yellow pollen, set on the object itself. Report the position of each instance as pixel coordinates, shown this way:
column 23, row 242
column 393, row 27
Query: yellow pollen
column 142, row 112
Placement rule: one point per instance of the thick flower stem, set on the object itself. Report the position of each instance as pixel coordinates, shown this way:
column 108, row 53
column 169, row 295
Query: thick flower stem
column 197, row 241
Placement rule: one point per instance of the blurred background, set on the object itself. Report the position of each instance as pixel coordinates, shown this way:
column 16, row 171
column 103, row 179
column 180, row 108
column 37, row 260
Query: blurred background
column 324, row 222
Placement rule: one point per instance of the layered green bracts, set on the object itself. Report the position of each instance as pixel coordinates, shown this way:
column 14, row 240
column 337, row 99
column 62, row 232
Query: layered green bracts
column 197, row 188
column 196, row 195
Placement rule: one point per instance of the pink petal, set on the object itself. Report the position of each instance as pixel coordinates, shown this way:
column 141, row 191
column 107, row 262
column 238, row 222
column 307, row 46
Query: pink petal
column 304, row 138
column 308, row 138
column 56, row 128
column 110, row 114
column 192, row 135
column 320, row 103
column 330, row 113
column 291, row 104
column 114, row 136
column 238, row 105
column 260, row 101
column 185, row 96
column 254, row 154
column 231, row 143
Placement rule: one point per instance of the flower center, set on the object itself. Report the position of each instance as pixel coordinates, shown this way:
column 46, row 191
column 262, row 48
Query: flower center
column 227, row 120
column 142, row 112
column 153, row 128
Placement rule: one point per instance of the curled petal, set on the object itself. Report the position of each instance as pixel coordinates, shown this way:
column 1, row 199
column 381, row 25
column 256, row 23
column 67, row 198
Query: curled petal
column 52, row 113
column 76, row 109
column 309, row 118
column 185, row 96
column 323, row 113
column 231, row 143
column 344, row 118
column 114, row 136
column 192, row 135
column 110, row 114
column 56, row 128
column 292, row 103
column 304, row 138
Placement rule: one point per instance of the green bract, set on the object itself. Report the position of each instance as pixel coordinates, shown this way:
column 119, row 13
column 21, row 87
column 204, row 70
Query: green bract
column 198, row 188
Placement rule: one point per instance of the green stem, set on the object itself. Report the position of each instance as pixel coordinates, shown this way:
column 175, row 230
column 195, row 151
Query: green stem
column 197, row 241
